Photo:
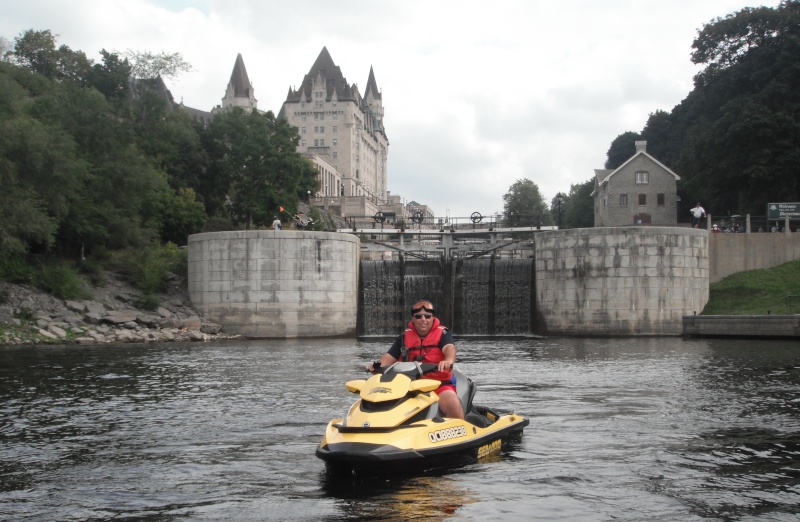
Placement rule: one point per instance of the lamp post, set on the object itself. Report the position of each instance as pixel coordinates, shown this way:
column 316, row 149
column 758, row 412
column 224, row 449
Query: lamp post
column 559, row 198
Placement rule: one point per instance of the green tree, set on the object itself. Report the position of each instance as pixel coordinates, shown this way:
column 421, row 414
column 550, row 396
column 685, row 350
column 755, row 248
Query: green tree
column 580, row 211
column 524, row 205
column 180, row 216
column 255, row 156
column 147, row 65
column 111, row 77
column 726, row 42
column 621, row 149
column 742, row 145
column 37, row 50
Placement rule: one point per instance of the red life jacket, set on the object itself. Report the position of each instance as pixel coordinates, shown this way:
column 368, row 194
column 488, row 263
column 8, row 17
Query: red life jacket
column 427, row 348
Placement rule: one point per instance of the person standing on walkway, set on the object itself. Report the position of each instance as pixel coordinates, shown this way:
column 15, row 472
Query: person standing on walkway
column 698, row 212
column 276, row 224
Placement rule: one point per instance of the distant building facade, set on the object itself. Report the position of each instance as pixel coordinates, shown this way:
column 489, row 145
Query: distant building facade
column 341, row 126
column 642, row 191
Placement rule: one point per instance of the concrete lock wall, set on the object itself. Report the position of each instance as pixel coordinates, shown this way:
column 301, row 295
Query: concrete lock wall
column 620, row 281
column 276, row 284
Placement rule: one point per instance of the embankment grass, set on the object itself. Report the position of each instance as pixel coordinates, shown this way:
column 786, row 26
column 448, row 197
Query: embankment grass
column 756, row 292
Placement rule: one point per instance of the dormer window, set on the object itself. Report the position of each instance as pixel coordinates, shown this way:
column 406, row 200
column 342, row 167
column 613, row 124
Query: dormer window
column 642, row 177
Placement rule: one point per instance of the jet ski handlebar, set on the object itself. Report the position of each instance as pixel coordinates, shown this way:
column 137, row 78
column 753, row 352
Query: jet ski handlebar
column 410, row 369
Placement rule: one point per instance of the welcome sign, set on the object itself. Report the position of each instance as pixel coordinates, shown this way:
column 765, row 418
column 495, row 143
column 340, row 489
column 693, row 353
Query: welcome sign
column 782, row 210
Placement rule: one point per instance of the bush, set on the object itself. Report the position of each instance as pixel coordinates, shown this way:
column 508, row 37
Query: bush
column 149, row 268
column 16, row 270
column 148, row 302
column 61, row 280
column 94, row 271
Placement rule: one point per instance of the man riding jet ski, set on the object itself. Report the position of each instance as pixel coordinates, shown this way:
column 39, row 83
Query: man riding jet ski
column 404, row 419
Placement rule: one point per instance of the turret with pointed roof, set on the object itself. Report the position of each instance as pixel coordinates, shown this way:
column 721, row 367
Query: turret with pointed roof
column 240, row 91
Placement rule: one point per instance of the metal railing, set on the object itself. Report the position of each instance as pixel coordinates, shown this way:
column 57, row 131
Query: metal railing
column 758, row 224
column 420, row 222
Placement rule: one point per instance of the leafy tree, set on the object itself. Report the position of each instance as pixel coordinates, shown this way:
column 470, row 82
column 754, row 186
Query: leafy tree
column 173, row 140
column 726, row 42
column 111, row 77
column 580, row 211
column 742, row 146
column 180, row 216
column 42, row 171
column 621, row 149
column 6, row 48
column 148, row 65
column 255, row 156
column 37, row 50
column 524, row 205
column 23, row 216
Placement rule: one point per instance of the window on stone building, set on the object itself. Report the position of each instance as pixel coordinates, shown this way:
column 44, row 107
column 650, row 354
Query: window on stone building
column 302, row 130
column 642, row 199
column 642, row 177
column 335, row 116
column 335, row 142
column 623, row 200
column 322, row 129
column 660, row 200
column 303, row 143
column 335, row 129
column 316, row 143
column 322, row 142
column 335, row 154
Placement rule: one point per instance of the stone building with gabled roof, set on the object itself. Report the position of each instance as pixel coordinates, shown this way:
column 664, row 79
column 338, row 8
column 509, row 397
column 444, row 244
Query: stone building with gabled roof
column 641, row 191
column 344, row 128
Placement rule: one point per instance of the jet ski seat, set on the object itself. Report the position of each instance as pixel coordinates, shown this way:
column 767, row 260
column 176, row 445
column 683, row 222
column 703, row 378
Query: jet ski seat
column 465, row 389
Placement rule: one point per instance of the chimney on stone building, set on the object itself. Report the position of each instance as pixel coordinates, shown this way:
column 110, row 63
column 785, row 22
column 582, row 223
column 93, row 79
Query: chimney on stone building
column 641, row 146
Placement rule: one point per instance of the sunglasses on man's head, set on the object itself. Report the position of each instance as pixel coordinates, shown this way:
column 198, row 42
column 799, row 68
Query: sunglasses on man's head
column 420, row 316
column 421, row 308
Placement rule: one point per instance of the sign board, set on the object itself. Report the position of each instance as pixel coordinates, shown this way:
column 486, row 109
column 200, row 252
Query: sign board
column 782, row 210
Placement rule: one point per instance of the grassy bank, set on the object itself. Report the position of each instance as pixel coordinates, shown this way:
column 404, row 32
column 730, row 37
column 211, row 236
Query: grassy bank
column 756, row 292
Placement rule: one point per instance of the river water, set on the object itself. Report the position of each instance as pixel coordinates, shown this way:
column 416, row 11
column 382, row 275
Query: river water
column 621, row 429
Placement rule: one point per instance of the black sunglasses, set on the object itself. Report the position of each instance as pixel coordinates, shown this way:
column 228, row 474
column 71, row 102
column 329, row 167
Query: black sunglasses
column 421, row 308
column 420, row 316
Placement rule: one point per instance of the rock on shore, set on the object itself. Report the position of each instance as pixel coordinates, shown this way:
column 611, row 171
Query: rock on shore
column 30, row 316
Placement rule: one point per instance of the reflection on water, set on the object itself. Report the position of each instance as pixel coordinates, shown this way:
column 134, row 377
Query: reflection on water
column 659, row 429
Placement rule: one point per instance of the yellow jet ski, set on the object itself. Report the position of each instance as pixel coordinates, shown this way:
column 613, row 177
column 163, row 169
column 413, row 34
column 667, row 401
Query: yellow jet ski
column 395, row 425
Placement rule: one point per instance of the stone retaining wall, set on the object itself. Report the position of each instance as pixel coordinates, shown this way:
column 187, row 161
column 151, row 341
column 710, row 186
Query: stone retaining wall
column 276, row 284
column 620, row 281
column 764, row 326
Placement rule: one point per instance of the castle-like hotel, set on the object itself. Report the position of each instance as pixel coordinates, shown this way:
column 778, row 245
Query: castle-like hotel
column 341, row 132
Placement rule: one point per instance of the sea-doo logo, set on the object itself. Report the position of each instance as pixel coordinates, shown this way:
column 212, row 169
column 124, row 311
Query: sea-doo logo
column 449, row 433
column 380, row 389
column 488, row 449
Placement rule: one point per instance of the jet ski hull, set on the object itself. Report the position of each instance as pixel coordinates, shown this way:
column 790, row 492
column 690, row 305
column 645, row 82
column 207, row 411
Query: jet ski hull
column 431, row 443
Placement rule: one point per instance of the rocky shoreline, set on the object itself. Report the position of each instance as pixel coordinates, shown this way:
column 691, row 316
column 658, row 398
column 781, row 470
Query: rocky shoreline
column 29, row 316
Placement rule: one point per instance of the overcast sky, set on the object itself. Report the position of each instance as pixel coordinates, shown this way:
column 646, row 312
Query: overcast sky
column 476, row 94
